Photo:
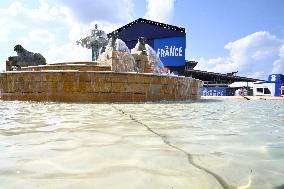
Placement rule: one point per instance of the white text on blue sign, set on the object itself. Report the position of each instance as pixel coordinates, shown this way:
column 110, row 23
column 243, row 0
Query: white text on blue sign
column 170, row 51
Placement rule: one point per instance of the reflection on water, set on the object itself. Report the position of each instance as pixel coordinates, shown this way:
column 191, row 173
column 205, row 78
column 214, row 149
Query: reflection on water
column 206, row 144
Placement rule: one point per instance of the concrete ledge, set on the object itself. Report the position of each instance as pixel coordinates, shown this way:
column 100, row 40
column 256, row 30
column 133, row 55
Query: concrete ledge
column 77, row 62
column 96, row 86
column 244, row 98
column 78, row 67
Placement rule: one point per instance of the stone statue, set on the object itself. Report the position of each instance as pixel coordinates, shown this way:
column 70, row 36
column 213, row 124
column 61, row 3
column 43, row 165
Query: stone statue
column 142, row 42
column 112, row 39
column 24, row 58
column 95, row 41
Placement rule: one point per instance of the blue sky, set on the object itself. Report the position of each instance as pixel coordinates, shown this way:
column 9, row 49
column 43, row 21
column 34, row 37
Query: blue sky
column 222, row 21
column 224, row 35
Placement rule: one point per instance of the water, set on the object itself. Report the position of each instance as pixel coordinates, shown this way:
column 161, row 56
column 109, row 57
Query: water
column 126, row 60
column 206, row 144
column 154, row 60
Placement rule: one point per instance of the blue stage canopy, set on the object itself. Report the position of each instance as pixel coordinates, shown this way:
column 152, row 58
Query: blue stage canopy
column 167, row 40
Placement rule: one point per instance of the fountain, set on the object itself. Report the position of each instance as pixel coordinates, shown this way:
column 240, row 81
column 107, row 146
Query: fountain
column 117, row 55
column 116, row 76
column 155, row 64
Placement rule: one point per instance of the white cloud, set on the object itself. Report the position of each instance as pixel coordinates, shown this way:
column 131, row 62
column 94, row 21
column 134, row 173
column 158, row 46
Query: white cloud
column 17, row 16
column 160, row 10
column 255, row 55
column 87, row 11
column 52, row 28
column 278, row 65
column 68, row 52
column 42, row 36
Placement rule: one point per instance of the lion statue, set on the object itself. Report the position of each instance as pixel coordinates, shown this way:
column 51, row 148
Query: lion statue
column 142, row 42
column 25, row 58
column 112, row 39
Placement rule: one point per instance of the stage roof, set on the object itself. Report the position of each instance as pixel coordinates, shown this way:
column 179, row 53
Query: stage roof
column 149, row 29
column 215, row 77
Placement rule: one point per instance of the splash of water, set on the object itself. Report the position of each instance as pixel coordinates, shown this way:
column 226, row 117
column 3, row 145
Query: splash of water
column 155, row 62
column 120, row 46
column 126, row 62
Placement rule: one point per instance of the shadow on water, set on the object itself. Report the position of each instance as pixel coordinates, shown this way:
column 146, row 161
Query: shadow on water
column 279, row 187
column 174, row 102
column 190, row 157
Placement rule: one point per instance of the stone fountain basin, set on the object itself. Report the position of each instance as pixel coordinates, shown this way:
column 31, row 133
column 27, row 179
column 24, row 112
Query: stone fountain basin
column 96, row 86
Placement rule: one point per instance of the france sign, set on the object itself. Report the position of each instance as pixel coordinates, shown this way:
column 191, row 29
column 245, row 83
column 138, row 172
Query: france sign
column 171, row 50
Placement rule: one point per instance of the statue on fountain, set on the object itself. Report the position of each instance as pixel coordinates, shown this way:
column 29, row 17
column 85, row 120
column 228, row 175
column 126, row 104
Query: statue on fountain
column 112, row 40
column 141, row 47
column 96, row 41
column 24, row 58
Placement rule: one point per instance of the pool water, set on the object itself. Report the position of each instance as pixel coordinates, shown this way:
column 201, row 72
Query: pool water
column 203, row 144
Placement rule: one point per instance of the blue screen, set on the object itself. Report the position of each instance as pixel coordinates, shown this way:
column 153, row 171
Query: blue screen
column 171, row 50
column 207, row 91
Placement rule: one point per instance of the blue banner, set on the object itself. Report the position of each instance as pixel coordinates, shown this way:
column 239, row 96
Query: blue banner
column 274, row 78
column 171, row 50
column 207, row 91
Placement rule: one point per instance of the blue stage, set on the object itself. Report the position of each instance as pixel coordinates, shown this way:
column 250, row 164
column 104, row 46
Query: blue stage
column 168, row 41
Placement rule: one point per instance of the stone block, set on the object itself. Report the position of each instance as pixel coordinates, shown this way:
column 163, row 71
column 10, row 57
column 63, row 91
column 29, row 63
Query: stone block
column 72, row 76
column 118, row 87
column 139, row 97
column 165, row 89
column 33, row 77
column 51, row 76
column 69, row 86
column 136, row 88
column 96, row 86
column 84, row 87
column 101, row 87
column 84, row 76
column 52, row 86
column 122, row 97
column 99, row 76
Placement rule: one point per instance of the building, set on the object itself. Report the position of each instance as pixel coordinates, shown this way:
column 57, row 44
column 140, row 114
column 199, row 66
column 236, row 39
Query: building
column 168, row 41
column 274, row 86
column 218, row 84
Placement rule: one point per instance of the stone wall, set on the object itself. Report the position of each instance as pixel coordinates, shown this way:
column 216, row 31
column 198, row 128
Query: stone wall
column 143, row 63
column 115, row 79
column 77, row 62
column 78, row 67
column 81, row 66
column 91, row 86
column 126, row 62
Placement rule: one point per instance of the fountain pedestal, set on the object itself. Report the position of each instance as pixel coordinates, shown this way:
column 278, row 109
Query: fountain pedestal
column 55, row 83
column 142, row 63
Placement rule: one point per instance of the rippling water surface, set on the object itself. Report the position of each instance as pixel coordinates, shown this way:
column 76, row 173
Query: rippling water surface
column 206, row 144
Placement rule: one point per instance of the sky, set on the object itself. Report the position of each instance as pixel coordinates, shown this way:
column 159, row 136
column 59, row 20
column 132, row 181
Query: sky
column 223, row 36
